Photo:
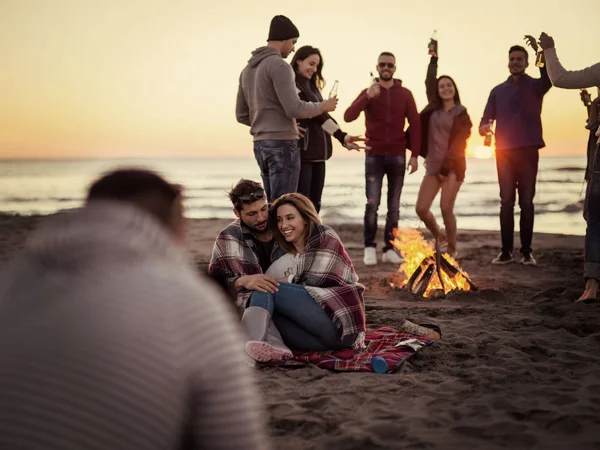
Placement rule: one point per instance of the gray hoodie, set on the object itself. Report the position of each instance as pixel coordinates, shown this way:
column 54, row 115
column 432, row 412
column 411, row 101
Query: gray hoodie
column 267, row 99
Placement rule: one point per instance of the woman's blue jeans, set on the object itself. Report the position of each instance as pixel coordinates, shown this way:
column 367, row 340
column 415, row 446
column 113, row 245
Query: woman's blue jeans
column 303, row 324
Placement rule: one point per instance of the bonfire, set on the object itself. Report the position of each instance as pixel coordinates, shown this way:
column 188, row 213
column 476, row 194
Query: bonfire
column 428, row 273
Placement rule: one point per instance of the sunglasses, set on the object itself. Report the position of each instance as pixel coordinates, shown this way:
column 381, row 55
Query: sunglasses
column 388, row 65
column 251, row 198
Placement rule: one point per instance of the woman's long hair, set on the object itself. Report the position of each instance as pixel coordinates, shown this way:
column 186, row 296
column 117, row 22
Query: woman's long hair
column 437, row 100
column 301, row 54
column 307, row 212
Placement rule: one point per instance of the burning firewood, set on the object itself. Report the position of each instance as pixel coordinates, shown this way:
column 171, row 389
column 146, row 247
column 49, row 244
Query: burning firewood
column 429, row 272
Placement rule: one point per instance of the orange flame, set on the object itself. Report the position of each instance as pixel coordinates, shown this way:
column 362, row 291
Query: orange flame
column 414, row 249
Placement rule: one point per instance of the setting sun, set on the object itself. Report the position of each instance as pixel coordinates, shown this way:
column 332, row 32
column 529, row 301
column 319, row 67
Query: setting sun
column 483, row 152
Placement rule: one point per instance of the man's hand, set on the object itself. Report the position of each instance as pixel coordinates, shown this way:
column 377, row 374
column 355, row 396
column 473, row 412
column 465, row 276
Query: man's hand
column 374, row 90
column 301, row 131
column 531, row 41
column 413, row 165
column 258, row 282
column 483, row 129
column 546, row 41
column 330, row 104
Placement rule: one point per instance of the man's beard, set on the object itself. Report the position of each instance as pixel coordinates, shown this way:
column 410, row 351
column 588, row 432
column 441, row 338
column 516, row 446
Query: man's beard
column 259, row 231
column 387, row 77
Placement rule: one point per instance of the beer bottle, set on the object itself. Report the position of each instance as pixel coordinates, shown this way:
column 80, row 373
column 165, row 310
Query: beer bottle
column 487, row 141
column 586, row 97
column 334, row 89
column 540, row 59
column 433, row 44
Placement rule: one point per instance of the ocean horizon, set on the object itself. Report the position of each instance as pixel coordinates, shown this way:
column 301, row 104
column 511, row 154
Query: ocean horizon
column 30, row 186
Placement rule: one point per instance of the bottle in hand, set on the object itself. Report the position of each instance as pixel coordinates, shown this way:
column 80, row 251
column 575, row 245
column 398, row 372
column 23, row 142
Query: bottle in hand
column 487, row 140
column 432, row 47
column 540, row 59
column 586, row 97
column 334, row 89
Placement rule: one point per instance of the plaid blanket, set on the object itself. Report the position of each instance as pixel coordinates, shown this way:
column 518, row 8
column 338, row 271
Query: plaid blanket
column 327, row 273
column 233, row 256
column 390, row 344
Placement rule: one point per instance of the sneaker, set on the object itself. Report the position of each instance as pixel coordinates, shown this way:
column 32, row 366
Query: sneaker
column 264, row 352
column 390, row 256
column 504, row 257
column 528, row 259
column 370, row 256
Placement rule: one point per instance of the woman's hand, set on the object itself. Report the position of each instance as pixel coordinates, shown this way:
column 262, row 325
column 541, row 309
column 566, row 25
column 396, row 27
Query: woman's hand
column 350, row 142
column 258, row 282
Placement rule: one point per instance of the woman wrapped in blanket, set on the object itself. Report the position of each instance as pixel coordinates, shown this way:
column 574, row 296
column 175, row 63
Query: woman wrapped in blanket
column 319, row 304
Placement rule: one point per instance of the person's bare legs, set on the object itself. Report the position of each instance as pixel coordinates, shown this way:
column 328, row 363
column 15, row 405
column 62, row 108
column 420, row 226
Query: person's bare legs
column 430, row 187
column 591, row 290
column 450, row 188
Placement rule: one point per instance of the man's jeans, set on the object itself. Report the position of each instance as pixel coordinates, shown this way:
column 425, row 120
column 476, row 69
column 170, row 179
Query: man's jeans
column 376, row 166
column 303, row 324
column 591, row 267
column 517, row 172
column 279, row 163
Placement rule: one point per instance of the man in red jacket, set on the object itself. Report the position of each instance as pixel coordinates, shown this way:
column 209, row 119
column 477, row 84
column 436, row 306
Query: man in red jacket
column 386, row 105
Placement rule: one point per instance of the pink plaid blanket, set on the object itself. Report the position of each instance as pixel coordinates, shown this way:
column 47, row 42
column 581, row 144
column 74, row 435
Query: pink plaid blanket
column 386, row 343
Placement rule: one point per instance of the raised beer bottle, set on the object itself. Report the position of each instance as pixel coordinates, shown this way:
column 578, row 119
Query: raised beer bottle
column 586, row 97
column 432, row 47
column 540, row 59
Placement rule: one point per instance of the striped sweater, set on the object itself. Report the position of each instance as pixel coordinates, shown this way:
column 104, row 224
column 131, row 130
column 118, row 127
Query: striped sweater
column 110, row 340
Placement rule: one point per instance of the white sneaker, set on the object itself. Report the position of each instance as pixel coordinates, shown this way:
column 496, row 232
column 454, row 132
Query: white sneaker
column 370, row 256
column 391, row 256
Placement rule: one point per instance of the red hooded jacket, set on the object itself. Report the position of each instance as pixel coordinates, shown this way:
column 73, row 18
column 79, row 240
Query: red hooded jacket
column 385, row 120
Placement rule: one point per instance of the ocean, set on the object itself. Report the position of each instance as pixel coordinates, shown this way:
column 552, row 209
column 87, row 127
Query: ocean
column 43, row 187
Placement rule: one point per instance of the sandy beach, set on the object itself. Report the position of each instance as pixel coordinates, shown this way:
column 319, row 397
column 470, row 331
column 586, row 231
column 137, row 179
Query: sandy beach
column 518, row 365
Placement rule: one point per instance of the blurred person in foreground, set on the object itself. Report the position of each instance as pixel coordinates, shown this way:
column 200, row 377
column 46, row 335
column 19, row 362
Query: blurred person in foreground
column 110, row 339
column 580, row 79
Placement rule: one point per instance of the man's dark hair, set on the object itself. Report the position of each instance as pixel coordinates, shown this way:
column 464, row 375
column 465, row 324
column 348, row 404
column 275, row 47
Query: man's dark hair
column 518, row 48
column 243, row 188
column 386, row 54
column 144, row 188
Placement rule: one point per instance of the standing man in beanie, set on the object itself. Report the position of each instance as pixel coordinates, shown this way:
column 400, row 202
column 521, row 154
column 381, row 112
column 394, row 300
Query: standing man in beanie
column 268, row 103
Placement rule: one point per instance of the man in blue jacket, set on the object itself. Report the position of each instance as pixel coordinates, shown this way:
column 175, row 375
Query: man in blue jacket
column 516, row 106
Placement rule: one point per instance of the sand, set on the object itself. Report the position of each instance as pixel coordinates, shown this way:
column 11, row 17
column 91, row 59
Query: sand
column 518, row 365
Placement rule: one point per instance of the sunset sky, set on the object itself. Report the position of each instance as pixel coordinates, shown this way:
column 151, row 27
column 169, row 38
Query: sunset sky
column 154, row 78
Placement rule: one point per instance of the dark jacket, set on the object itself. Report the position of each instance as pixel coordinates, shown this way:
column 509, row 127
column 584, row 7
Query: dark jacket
column 385, row 117
column 316, row 143
column 517, row 107
column 455, row 160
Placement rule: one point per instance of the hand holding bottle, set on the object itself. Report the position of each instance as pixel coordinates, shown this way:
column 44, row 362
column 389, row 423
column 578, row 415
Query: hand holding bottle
column 374, row 90
column 330, row 104
column 485, row 128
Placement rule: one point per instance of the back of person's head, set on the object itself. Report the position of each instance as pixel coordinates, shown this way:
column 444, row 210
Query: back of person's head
column 305, row 208
column 282, row 29
column 145, row 189
column 245, row 192
column 519, row 48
